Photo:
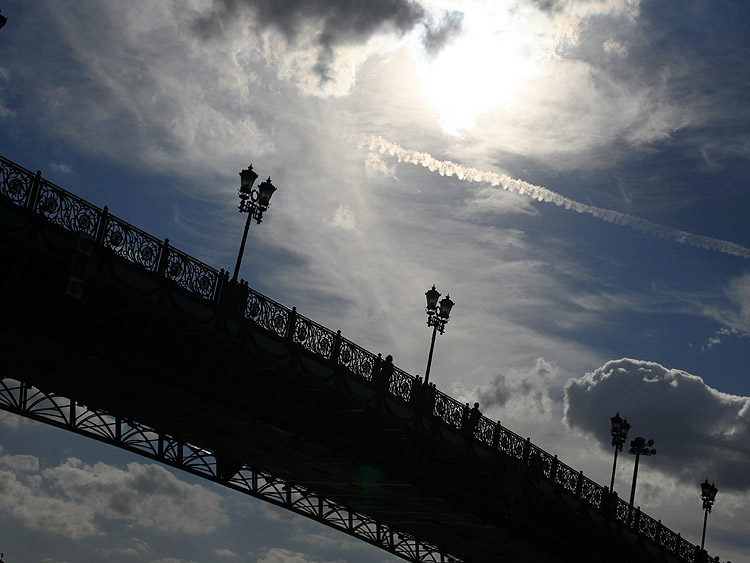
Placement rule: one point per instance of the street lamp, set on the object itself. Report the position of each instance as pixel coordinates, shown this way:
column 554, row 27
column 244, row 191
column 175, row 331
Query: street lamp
column 639, row 447
column 254, row 202
column 437, row 317
column 619, row 433
column 708, row 494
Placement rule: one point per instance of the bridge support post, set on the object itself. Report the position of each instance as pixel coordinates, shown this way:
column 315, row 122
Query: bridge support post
column 35, row 187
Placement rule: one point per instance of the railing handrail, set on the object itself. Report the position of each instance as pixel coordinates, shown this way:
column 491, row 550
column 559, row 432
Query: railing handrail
column 26, row 189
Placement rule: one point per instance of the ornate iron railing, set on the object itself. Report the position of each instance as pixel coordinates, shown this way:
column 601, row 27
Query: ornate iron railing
column 29, row 190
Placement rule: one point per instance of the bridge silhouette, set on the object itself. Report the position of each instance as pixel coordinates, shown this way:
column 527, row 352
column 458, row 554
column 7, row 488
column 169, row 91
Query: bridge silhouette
column 153, row 351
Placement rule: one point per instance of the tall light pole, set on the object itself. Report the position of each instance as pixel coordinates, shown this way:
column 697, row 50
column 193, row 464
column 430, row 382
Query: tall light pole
column 619, row 433
column 254, row 202
column 437, row 317
column 639, row 447
column 708, row 495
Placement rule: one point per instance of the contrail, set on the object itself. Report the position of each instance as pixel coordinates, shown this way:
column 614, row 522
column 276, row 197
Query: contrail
column 448, row 168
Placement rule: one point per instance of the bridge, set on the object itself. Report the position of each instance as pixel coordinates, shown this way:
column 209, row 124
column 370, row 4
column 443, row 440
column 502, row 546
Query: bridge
column 153, row 351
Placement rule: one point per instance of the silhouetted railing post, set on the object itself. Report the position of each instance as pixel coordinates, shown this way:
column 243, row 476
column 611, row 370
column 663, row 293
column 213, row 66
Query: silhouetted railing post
column 291, row 324
column 163, row 258
column 101, row 227
column 35, row 187
column 526, row 450
column 496, row 435
column 336, row 348
column 553, row 469
column 579, row 484
column 219, row 287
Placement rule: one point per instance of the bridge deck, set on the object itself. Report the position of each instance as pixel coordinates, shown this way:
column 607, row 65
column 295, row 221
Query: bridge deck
column 135, row 344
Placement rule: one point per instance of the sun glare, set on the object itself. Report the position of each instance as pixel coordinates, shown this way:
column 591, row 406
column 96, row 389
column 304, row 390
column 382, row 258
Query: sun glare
column 481, row 69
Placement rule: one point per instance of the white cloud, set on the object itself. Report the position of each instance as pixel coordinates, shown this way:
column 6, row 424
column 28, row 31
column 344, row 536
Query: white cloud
column 21, row 463
column 698, row 431
column 343, row 218
column 281, row 555
column 70, row 499
column 521, row 394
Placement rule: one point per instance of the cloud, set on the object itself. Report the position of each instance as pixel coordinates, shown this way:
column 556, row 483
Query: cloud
column 21, row 463
column 343, row 219
column 70, row 499
column 698, row 431
column 539, row 193
column 325, row 27
column 439, row 34
column 519, row 394
column 228, row 553
column 280, row 555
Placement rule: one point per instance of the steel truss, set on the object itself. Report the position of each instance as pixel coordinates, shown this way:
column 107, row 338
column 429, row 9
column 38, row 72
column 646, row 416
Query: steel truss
column 26, row 400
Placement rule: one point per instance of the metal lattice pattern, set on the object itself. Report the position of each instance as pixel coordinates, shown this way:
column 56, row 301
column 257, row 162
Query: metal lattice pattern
column 20, row 398
column 26, row 189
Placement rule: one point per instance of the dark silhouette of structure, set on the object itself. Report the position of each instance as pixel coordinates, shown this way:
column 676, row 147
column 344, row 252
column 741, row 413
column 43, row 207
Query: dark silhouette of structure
column 155, row 352
column 619, row 432
column 708, row 496
column 638, row 447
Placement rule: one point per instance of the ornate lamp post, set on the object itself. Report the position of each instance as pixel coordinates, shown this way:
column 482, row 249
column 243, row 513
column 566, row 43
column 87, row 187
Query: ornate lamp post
column 639, row 447
column 437, row 317
column 708, row 494
column 254, row 202
column 619, row 433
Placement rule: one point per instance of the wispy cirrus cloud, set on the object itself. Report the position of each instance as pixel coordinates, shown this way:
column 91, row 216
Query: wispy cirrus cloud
column 539, row 193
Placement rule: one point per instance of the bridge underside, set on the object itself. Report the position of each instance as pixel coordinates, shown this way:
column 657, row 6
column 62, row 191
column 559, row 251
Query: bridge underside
column 143, row 350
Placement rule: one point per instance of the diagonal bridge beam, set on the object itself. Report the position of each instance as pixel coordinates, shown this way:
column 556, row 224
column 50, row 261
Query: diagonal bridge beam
column 55, row 410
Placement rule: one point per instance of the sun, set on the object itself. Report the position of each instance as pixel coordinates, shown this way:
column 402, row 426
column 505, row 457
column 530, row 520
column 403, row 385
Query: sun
column 481, row 69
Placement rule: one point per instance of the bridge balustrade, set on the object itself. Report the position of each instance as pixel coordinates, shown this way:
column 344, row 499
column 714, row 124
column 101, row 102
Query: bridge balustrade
column 31, row 191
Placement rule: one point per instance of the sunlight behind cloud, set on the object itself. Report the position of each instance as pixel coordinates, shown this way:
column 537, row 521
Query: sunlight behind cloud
column 479, row 70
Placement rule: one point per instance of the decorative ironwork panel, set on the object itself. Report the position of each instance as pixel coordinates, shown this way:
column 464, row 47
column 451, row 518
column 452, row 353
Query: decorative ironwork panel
column 567, row 477
column 648, row 527
column 15, row 182
column 267, row 313
column 67, row 210
column 622, row 511
column 592, row 492
column 131, row 243
column 687, row 550
column 98, row 424
column 401, row 384
column 190, row 273
column 485, row 430
column 314, row 337
column 511, row 444
column 356, row 359
column 448, row 409
column 670, row 540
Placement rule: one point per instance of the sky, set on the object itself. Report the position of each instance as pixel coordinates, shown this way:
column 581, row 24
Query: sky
column 573, row 173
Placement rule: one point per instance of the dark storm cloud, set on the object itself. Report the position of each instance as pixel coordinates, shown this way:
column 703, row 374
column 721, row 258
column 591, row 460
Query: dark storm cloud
column 438, row 35
column 337, row 22
column 698, row 432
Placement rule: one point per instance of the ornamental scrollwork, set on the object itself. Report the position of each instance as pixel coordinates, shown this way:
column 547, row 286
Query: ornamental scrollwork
column 15, row 182
column 266, row 313
column 190, row 273
column 313, row 337
column 67, row 210
column 358, row 360
column 131, row 243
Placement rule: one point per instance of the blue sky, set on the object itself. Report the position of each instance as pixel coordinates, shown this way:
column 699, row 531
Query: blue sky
column 574, row 174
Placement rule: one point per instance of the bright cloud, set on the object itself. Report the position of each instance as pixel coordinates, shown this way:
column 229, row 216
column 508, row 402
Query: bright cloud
column 69, row 499
column 698, row 431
